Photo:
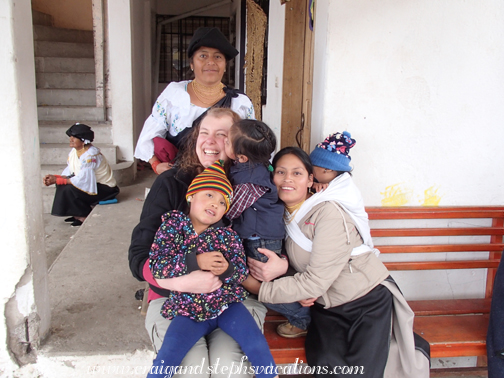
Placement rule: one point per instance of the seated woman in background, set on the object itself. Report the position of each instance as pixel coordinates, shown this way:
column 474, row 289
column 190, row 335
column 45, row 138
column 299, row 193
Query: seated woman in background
column 182, row 104
column 86, row 180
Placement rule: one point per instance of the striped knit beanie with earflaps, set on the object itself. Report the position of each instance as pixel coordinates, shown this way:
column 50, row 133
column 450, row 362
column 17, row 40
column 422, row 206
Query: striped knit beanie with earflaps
column 213, row 178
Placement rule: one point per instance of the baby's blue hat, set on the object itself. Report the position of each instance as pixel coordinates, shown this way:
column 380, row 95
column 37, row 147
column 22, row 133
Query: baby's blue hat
column 332, row 153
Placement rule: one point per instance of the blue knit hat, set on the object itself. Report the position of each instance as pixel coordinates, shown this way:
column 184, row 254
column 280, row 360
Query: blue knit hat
column 332, row 153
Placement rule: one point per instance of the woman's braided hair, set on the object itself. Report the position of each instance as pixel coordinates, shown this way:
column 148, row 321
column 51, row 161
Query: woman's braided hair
column 254, row 139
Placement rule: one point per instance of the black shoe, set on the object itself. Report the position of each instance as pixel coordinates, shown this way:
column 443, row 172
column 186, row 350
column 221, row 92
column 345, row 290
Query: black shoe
column 71, row 219
column 76, row 223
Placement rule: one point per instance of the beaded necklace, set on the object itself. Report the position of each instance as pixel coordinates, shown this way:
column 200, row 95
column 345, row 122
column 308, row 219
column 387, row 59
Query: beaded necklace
column 208, row 95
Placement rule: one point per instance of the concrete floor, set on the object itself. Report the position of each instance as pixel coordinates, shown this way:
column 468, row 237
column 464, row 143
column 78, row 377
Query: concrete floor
column 97, row 329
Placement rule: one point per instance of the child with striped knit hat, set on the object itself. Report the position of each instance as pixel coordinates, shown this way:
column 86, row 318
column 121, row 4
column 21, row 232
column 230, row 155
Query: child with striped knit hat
column 184, row 243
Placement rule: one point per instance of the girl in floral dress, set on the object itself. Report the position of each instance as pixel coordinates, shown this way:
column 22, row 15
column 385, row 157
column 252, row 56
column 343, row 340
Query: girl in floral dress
column 185, row 243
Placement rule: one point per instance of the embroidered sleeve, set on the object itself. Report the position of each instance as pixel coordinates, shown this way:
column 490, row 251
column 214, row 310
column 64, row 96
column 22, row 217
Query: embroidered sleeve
column 85, row 180
column 244, row 196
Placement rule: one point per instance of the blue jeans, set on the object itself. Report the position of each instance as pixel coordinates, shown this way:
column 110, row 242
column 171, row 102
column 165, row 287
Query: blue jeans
column 251, row 245
column 236, row 321
column 296, row 314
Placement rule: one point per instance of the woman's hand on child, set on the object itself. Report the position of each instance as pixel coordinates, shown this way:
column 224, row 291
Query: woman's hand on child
column 213, row 262
column 307, row 302
column 273, row 268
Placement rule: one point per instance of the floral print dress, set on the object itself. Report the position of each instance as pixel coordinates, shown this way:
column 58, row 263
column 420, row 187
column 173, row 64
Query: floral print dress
column 173, row 254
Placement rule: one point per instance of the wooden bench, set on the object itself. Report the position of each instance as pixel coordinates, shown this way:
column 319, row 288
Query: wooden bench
column 446, row 237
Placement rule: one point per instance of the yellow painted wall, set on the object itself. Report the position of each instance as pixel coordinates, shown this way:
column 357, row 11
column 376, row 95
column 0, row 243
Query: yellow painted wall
column 69, row 14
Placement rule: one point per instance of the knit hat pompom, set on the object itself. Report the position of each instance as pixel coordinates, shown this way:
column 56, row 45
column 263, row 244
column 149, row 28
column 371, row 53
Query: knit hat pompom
column 212, row 178
column 332, row 153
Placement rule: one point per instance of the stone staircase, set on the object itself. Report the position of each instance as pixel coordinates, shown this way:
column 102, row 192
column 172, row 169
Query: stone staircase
column 66, row 93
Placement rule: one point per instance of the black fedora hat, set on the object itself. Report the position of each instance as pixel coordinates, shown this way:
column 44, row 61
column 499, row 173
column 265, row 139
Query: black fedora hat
column 211, row 37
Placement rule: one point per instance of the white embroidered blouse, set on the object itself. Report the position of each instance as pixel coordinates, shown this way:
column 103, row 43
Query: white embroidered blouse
column 88, row 170
column 173, row 112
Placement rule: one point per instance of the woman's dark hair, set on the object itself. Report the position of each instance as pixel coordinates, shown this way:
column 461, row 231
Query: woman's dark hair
column 254, row 139
column 297, row 152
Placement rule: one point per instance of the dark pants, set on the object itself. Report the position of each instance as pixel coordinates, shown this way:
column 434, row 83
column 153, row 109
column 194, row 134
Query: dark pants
column 70, row 201
column 495, row 335
column 236, row 321
column 350, row 336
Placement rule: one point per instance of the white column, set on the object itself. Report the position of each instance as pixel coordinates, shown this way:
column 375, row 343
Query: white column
column 121, row 75
column 23, row 273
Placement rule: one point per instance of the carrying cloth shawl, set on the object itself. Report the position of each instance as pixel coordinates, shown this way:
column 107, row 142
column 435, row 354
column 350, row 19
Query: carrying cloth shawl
column 224, row 102
column 343, row 192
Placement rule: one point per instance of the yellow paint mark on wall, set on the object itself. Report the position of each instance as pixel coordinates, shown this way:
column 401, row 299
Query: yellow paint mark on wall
column 431, row 197
column 394, row 195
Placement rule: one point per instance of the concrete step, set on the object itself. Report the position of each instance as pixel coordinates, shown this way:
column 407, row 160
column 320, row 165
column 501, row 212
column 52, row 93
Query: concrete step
column 65, row 80
column 59, row 113
column 50, row 33
column 66, row 97
column 57, row 153
column 56, row 64
column 47, row 197
column 39, row 18
column 64, row 49
column 51, row 169
column 55, row 131
column 123, row 173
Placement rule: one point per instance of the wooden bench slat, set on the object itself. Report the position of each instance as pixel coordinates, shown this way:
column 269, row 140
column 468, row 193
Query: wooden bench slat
column 436, row 265
column 432, row 214
column 447, row 332
column 450, row 306
column 429, row 248
column 402, row 232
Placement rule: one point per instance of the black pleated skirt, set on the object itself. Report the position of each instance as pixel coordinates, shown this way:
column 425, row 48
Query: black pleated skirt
column 351, row 339
column 70, row 201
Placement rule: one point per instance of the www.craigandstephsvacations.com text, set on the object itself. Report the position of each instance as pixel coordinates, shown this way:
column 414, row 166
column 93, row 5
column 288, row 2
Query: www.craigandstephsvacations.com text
column 299, row 367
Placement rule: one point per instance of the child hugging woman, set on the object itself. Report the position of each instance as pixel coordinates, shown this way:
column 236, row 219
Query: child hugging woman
column 256, row 212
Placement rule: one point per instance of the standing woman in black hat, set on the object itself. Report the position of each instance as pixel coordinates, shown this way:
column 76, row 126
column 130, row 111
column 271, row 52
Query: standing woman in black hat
column 86, row 180
column 181, row 105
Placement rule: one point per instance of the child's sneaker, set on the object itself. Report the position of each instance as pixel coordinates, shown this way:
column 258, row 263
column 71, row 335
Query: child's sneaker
column 289, row 331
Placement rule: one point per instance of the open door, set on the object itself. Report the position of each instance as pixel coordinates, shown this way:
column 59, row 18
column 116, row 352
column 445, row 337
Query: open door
column 297, row 76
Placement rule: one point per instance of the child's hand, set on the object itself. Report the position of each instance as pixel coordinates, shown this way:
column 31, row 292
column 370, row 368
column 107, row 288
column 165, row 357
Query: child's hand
column 212, row 261
column 318, row 186
column 218, row 271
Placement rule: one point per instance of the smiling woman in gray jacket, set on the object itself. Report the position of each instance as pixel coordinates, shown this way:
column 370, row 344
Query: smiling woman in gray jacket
column 338, row 275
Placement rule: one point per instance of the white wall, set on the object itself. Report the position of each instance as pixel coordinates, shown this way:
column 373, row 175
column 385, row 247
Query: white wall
column 121, row 71
column 272, row 111
column 420, row 85
column 23, row 270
